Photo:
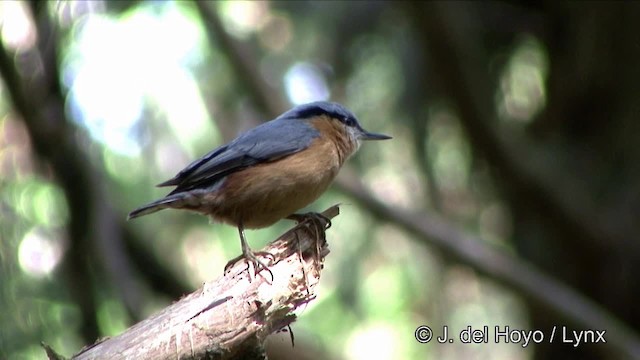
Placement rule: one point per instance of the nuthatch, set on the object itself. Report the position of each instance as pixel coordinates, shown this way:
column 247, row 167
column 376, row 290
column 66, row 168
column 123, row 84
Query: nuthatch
column 268, row 172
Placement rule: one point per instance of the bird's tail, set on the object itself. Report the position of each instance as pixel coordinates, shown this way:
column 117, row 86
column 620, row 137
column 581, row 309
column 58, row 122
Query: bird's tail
column 169, row 202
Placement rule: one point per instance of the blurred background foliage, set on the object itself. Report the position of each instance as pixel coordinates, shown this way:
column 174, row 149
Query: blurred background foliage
column 516, row 123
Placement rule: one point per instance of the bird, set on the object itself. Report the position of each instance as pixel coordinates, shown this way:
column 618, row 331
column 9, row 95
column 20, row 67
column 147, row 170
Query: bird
column 268, row 172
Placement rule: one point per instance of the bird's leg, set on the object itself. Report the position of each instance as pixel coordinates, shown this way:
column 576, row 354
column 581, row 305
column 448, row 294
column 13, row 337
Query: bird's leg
column 249, row 256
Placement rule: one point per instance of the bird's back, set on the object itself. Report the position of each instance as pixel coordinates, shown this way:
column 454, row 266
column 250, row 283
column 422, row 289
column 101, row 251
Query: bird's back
column 243, row 174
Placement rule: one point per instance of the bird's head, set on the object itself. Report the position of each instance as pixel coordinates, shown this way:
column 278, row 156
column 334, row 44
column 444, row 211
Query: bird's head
column 338, row 117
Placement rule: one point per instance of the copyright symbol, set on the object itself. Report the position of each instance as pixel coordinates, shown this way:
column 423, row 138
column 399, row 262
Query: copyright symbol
column 423, row 334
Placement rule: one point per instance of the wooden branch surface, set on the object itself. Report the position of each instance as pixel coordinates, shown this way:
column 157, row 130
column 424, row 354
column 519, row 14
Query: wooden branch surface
column 230, row 317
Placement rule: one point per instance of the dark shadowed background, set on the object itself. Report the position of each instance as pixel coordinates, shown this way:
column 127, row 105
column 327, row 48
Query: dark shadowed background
column 509, row 196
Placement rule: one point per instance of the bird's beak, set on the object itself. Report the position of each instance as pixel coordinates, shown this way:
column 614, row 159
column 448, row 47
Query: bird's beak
column 365, row 135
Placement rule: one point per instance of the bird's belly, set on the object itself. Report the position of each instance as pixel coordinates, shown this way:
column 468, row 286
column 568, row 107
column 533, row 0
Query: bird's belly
column 261, row 195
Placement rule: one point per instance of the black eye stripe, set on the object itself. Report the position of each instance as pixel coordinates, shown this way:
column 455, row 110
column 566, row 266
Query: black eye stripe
column 319, row 108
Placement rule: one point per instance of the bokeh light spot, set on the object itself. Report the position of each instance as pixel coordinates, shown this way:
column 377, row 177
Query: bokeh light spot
column 150, row 51
column 522, row 92
column 305, row 83
column 18, row 31
column 361, row 343
column 242, row 18
column 39, row 253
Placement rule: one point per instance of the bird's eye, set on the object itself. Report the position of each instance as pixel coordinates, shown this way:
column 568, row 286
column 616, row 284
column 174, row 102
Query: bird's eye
column 349, row 121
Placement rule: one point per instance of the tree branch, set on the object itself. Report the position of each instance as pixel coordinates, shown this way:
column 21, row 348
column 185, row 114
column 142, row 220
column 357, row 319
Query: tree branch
column 231, row 316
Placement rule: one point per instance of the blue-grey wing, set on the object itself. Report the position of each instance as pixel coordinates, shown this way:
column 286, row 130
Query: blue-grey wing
column 267, row 142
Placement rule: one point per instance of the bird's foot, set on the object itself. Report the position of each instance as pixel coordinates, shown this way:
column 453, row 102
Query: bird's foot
column 251, row 257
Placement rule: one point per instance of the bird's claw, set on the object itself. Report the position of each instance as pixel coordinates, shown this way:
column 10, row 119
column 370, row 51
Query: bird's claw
column 252, row 257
